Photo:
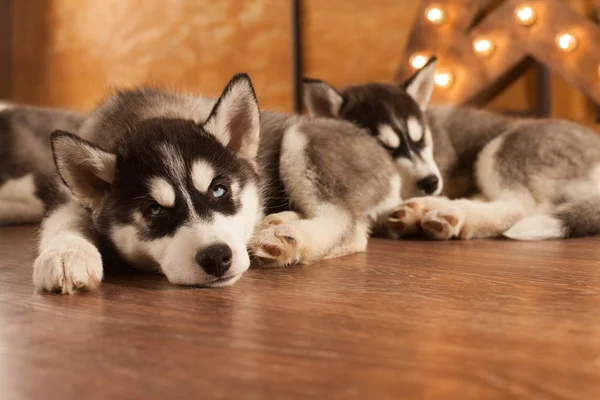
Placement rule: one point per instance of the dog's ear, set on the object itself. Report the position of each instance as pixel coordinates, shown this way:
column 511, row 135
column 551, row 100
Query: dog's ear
column 320, row 98
column 235, row 118
column 85, row 168
column 420, row 85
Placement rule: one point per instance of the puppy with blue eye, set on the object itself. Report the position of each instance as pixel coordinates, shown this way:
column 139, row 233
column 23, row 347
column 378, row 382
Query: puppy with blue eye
column 181, row 185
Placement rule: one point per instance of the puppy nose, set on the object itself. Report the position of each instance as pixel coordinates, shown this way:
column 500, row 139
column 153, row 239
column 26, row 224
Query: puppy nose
column 429, row 184
column 215, row 260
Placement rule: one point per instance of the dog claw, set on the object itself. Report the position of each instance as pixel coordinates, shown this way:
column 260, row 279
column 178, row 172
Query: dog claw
column 276, row 245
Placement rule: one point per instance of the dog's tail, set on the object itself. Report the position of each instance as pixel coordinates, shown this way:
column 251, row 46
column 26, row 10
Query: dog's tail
column 571, row 219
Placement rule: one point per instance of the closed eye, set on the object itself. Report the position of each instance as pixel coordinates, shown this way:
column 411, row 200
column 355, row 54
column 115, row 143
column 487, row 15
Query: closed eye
column 388, row 136
column 415, row 130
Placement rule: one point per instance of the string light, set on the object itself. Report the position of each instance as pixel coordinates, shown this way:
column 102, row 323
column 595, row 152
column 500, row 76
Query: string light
column 444, row 79
column 418, row 61
column 435, row 14
column 566, row 42
column 483, row 47
column 525, row 15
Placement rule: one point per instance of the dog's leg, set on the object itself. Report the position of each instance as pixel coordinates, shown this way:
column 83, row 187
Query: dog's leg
column 406, row 220
column 26, row 211
column 18, row 202
column 286, row 239
column 441, row 218
column 468, row 219
column 323, row 228
column 68, row 258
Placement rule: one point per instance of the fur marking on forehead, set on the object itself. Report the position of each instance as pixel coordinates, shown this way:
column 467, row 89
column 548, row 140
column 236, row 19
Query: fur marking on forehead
column 173, row 161
column 388, row 137
column 202, row 175
column 162, row 192
column 415, row 129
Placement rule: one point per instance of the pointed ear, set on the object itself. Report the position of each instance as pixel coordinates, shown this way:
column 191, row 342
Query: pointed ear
column 320, row 98
column 235, row 118
column 85, row 168
column 420, row 85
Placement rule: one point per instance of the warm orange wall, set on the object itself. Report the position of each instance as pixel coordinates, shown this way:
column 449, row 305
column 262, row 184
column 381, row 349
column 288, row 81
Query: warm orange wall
column 352, row 41
column 68, row 53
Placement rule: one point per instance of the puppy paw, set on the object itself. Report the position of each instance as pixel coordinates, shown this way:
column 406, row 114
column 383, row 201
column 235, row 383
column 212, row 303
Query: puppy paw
column 74, row 264
column 278, row 219
column 406, row 220
column 442, row 224
column 276, row 245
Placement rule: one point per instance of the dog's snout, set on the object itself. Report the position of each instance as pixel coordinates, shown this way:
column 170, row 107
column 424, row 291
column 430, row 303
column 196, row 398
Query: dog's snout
column 429, row 184
column 215, row 260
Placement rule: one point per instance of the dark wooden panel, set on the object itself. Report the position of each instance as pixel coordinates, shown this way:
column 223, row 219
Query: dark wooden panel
column 410, row 319
column 5, row 48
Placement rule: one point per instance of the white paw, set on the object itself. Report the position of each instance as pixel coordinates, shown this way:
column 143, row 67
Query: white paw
column 74, row 264
column 406, row 220
column 443, row 224
column 276, row 245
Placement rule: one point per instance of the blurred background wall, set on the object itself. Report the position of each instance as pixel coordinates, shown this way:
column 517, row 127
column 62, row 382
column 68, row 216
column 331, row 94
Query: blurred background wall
column 70, row 52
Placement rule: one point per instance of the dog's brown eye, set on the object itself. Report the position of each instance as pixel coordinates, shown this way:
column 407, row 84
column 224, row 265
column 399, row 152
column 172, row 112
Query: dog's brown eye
column 154, row 210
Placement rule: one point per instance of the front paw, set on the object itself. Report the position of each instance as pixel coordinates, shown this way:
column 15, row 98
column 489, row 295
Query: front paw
column 276, row 245
column 443, row 224
column 406, row 220
column 74, row 264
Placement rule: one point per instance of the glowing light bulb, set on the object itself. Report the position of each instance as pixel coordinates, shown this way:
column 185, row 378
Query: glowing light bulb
column 444, row 79
column 566, row 42
column 418, row 61
column 435, row 14
column 484, row 47
column 525, row 15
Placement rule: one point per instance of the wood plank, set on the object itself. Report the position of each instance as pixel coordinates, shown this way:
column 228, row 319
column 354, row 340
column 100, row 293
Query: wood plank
column 409, row 319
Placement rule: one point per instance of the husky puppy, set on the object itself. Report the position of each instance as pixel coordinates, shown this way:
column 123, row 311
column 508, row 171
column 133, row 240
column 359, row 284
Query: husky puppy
column 532, row 179
column 181, row 184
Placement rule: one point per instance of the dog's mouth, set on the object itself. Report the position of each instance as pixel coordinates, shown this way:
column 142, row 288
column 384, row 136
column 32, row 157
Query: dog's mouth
column 224, row 281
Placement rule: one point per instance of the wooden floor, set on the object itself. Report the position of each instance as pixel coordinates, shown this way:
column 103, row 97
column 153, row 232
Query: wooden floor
column 409, row 319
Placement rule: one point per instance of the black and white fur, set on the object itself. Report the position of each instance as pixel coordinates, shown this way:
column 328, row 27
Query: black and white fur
column 144, row 176
column 392, row 114
column 527, row 179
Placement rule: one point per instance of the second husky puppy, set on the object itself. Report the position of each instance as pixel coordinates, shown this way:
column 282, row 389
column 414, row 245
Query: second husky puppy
column 537, row 179
column 178, row 183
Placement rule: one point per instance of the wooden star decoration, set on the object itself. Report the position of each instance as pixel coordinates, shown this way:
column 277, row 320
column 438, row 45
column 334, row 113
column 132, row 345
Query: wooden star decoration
column 481, row 53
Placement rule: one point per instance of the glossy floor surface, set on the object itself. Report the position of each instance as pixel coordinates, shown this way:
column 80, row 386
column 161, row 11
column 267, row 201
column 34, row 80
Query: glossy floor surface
column 410, row 319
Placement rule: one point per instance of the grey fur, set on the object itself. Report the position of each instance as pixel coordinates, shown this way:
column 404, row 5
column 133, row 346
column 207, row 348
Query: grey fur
column 24, row 151
column 24, row 132
column 553, row 161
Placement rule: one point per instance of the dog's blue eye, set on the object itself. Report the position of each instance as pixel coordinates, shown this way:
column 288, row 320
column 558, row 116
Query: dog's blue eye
column 218, row 191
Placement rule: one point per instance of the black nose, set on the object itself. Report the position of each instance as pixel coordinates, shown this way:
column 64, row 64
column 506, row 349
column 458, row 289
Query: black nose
column 215, row 259
column 429, row 184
